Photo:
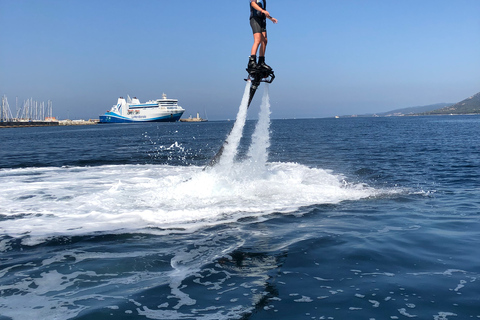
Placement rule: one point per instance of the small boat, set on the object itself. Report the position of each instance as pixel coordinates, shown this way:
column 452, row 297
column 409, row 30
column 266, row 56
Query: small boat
column 131, row 110
column 190, row 119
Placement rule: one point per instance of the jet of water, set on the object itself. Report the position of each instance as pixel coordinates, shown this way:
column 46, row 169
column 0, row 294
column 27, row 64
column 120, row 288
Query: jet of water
column 258, row 151
column 233, row 139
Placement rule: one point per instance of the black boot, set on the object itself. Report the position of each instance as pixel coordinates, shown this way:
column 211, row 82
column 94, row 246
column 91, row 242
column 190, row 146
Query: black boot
column 252, row 63
column 263, row 65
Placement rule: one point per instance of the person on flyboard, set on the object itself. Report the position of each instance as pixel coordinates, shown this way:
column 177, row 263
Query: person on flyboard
column 257, row 73
column 258, row 22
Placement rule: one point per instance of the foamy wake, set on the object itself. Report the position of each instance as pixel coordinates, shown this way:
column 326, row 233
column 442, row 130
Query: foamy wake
column 45, row 202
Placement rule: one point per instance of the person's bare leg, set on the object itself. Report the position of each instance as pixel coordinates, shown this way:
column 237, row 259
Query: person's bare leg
column 261, row 58
column 263, row 43
column 257, row 40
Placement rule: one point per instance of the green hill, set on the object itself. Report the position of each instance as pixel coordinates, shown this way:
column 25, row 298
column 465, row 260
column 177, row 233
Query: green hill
column 470, row 105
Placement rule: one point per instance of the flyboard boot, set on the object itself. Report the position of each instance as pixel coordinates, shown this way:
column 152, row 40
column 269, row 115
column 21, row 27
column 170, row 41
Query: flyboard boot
column 262, row 65
column 258, row 72
column 252, row 64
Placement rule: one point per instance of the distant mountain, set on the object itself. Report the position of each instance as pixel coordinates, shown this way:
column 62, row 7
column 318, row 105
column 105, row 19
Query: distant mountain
column 470, row 105
column 413, row 110
column 404, row 111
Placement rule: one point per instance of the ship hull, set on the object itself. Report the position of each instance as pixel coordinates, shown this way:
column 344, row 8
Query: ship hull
column 111, row 117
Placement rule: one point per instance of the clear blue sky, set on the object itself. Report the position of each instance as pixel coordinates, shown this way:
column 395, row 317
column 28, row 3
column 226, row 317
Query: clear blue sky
column 331, row 57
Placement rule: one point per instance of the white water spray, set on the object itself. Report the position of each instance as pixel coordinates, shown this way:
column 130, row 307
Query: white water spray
column 233, row 139
column 258, row 151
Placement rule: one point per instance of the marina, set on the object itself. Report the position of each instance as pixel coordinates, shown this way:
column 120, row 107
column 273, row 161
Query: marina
column 32, row 114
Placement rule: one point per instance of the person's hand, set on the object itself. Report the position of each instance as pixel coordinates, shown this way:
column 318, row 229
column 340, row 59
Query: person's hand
column 274, row 20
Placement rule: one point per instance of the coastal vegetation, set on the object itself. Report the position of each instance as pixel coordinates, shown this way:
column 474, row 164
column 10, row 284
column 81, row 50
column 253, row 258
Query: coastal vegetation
column 471, row 105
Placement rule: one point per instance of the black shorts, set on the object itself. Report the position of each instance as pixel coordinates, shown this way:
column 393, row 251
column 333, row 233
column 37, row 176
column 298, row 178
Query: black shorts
column 258, row 25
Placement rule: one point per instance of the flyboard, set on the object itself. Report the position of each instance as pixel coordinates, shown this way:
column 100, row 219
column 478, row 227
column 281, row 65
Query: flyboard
column 255, row 76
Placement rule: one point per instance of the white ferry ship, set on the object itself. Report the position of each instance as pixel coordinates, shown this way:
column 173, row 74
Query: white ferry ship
column 131, row 110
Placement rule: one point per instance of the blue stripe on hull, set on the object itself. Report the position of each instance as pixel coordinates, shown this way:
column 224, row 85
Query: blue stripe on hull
column 114, row 118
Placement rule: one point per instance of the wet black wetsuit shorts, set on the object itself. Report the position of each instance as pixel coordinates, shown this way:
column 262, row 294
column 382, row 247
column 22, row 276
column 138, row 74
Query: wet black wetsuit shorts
column 258, row 21
column 258, row 25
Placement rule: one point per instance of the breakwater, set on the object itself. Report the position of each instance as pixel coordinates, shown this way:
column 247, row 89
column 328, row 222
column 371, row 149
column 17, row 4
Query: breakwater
column 21, row 124
column 34, row 123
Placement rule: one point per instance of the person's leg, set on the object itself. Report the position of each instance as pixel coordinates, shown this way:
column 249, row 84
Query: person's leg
column 257, row 41
column 263, row 43
column 261, row 58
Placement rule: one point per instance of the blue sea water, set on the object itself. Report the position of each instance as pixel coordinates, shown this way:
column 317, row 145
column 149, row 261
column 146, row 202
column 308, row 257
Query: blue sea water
column 352, row 218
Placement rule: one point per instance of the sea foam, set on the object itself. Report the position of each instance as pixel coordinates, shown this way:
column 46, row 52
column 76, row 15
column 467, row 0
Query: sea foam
column 40, row 203
column 43, row 202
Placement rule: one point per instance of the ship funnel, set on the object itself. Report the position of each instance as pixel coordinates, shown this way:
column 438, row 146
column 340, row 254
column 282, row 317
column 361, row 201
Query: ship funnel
column 121, row 106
